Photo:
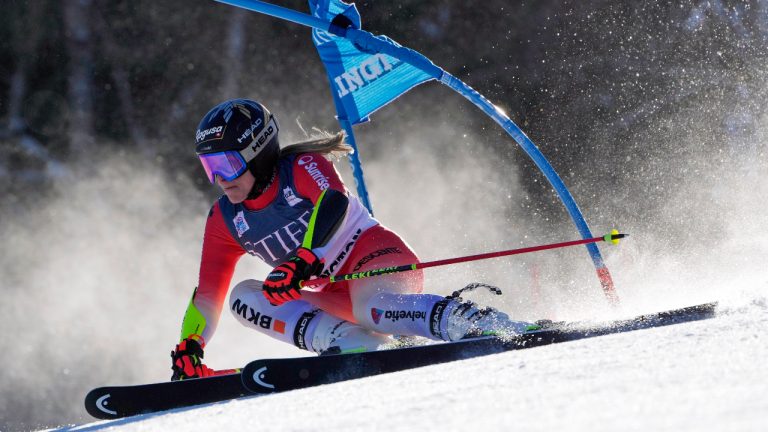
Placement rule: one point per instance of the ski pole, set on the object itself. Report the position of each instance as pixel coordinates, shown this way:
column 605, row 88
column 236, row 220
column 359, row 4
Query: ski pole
column 612, row 238
column 226, row 372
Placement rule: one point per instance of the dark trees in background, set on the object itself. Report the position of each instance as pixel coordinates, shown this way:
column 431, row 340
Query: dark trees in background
column 79, row 71
column 137, row 75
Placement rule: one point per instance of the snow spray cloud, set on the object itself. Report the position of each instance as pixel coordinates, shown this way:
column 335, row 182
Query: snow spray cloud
column 690, row 187
column 96, row 279
column 703, row 238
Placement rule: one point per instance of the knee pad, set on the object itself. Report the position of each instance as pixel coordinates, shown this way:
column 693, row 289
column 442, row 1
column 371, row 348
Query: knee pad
column 288, row 322
column 298, row 322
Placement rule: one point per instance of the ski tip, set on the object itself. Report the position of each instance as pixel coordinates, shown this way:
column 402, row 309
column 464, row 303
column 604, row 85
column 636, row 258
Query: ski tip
column 97, row 404
column 614, row 237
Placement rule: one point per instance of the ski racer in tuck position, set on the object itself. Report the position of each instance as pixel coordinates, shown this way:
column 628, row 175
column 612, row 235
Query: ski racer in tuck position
column 289, row 208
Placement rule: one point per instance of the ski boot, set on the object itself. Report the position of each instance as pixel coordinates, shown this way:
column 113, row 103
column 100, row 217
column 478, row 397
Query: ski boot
column 465, row 319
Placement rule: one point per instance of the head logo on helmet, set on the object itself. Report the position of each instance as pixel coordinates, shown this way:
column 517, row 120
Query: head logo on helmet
column 249, row 132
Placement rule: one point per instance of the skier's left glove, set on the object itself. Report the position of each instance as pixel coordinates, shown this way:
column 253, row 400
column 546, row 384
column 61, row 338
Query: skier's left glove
column 282, row 284
column 187, row 361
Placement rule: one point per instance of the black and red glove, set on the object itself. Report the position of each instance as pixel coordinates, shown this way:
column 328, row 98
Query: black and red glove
column 282, row 284
column 187, row 361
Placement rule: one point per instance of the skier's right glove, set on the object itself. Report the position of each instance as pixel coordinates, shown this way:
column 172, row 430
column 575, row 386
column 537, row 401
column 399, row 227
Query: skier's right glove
column 282, row 284
column 187, row 362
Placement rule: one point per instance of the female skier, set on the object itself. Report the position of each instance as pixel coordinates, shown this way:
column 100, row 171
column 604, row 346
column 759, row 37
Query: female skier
column 289, row 208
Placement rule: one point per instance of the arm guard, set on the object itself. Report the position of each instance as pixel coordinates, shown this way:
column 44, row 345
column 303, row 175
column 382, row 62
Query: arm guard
column 329, row 212
column 194, row 322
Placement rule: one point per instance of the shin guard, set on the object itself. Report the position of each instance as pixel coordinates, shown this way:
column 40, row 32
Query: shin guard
column 404, row 314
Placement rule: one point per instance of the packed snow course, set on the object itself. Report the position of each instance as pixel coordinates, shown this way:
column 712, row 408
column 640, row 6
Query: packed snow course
column 702, row 376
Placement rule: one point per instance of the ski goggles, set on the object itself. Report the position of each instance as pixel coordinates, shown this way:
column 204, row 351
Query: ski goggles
column 231, row 164
column 228, row 165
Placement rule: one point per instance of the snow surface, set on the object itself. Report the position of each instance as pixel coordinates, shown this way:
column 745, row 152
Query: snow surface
column 703, row 376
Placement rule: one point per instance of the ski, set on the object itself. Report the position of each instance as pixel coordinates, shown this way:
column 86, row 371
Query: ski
column 276, row 375
column 122, row 401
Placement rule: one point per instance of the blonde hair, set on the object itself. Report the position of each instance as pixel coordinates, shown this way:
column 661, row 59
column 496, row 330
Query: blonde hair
column 328, row 144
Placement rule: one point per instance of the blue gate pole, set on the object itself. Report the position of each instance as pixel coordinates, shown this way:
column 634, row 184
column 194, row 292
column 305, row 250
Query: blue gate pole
column 369, row 42
column 357, row 166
